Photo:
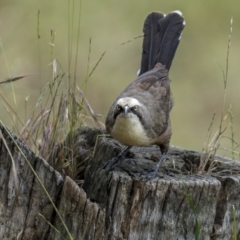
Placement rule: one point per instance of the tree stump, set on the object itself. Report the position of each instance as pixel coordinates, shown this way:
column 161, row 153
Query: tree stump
column 177, row 204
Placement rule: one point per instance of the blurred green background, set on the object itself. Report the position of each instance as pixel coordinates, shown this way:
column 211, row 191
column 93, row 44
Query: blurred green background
column 197, row 79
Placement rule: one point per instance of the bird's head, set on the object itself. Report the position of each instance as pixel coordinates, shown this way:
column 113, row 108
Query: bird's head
column 127, row 106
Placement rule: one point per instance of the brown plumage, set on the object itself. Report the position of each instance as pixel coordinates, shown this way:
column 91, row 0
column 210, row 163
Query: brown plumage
column 152, row 87
column 140, row 115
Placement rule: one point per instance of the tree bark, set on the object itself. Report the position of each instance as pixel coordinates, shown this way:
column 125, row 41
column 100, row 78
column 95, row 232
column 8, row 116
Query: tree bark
column 117, row 205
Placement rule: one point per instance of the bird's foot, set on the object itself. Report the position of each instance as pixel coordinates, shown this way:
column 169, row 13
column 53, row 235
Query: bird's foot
column 149, row 174
column 116, row 160
column 113, row 162
column 153, row 172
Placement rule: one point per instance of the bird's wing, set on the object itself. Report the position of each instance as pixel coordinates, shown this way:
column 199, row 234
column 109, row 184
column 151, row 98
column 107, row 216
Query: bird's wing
column 152, row 89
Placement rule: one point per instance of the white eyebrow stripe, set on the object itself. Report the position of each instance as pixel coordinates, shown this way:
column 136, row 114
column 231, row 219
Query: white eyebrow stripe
column 130, row 101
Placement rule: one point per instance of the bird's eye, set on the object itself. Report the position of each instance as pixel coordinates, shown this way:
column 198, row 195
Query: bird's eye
column 119, row 107
column 135, row 108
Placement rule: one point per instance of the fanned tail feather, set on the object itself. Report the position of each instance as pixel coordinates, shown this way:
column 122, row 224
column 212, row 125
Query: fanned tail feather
column 161, row 38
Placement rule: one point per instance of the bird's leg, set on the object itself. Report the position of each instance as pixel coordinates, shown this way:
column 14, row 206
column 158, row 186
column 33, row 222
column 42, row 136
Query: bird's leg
column 116, row 160
column 153, row 172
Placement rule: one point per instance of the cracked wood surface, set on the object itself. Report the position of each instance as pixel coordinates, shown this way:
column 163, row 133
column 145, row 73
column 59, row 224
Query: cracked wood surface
column 118, row 205
column 161, row 208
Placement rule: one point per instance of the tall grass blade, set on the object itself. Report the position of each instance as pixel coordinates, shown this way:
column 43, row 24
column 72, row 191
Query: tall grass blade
column 55, row 229
column 39, row 180
column 9, row 74
column 192, row 206
column 13, row 79
column 234, row 223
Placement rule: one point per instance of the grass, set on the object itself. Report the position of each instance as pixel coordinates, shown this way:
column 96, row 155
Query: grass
column 234, row 231
column 59, row 111
column 62, row 108
column 213, row 141
column 212, row 145
column 193, row 207
column 36, row 176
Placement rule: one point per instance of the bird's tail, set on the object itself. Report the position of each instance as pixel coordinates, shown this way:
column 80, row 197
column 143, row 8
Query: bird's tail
column 162, row 34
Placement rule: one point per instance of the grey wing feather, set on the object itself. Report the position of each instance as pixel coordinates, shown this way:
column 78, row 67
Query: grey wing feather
column 153, row 87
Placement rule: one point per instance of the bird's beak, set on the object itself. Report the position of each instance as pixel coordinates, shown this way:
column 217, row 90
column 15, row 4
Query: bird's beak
column 126, row 109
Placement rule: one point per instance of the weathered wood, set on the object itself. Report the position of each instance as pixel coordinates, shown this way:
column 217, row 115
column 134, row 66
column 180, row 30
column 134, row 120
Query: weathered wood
column 19, row 212
column 161, row 208
column 228, row 197
column 39, row 202
column 84, row 219
column 120, row 204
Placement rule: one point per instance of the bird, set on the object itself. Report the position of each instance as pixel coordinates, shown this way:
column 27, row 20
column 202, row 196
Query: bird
column 140, row 115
